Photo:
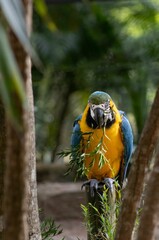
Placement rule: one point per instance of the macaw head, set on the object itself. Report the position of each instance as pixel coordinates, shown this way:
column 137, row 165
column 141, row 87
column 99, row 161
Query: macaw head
column 101, row 112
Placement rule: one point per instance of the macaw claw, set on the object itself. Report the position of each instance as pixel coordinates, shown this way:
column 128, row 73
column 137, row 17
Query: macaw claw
column 109, row 182
column 94, row 185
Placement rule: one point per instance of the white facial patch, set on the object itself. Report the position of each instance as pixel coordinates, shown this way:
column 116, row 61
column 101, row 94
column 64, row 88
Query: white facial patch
column 106, row 110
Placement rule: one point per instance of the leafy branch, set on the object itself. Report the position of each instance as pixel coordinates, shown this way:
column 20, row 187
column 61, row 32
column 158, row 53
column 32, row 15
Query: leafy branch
column 49, row 229
column 78, row 154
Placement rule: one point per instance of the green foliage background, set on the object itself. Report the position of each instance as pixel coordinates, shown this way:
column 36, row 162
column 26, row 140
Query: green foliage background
column 109, row 46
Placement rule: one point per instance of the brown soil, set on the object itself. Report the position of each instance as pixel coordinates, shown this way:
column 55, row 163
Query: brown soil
column 61, row 202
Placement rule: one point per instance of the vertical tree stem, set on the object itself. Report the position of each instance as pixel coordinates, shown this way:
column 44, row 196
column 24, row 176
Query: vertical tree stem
column 97, row 207
column 149, row 222
column 143, row 154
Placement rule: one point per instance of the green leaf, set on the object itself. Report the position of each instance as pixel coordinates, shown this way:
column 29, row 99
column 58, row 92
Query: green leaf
column 14, row 14
column 11, row 83
column 49, row 229
column 42, row 10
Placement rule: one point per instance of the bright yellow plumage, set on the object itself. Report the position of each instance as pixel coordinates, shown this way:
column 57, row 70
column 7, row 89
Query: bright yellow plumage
column 109, row 143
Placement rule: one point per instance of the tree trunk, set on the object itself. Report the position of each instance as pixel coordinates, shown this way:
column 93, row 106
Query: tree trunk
column 101, row 204
column 20, row 177
column 33, row 218
column 136, row 177
column 16, row 177
column 15, row 200
column 149, row 222
column 2, row 160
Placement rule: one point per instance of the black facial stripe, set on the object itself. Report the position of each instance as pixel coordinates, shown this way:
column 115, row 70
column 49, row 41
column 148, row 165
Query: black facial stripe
column 90, row 121
column 109, row 123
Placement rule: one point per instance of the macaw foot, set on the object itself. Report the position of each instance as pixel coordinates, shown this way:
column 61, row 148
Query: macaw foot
column 94, row 184
column 109, row 182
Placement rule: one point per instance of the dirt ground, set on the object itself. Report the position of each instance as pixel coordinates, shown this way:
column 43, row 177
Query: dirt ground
column 61, row 202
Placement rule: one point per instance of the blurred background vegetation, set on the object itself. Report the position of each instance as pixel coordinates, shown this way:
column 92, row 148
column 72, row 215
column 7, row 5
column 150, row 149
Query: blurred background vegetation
column 87, row 46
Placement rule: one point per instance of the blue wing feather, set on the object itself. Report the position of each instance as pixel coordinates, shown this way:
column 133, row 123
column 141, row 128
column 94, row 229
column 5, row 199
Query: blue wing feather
column 76, row 134
column 127, row 141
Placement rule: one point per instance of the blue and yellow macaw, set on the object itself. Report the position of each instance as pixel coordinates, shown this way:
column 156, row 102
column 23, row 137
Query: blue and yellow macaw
column 105, row 138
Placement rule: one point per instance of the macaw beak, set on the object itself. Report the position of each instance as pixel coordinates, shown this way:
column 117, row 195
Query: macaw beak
column 99, row 117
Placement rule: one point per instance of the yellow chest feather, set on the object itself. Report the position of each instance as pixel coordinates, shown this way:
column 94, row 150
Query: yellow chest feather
column 103, row 150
